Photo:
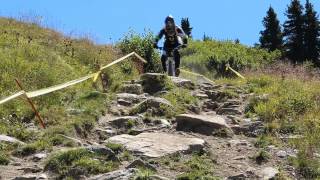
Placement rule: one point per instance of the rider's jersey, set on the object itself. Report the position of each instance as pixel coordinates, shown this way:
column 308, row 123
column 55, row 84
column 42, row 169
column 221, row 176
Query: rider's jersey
column 171, row 35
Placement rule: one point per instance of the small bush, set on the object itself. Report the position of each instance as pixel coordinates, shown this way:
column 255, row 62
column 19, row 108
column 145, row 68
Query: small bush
column 117, row 148
column 262, row 156
column 4, row 160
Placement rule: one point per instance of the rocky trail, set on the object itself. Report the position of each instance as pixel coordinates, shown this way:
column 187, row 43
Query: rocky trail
column 136, row 120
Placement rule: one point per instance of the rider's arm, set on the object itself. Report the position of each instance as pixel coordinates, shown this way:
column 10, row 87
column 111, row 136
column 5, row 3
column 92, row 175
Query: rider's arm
column 159, row 36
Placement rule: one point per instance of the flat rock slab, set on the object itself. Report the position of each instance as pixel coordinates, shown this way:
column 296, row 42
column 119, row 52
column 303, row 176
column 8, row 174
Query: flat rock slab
column 203, row 124
column 154, row 145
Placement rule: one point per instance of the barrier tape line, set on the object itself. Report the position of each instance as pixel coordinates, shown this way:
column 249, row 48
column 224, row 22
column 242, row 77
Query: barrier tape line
column 196, row 74
column 48, row 90
column 57, row 87
column 13, row 96
column 234, row 71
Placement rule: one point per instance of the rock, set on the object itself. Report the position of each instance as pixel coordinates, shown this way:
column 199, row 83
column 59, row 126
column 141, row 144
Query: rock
column 158, row 105
column 202, row 124
column 153, row 82
column 229, row 111
column 156, row 144
column 116, row 175
column 281, row 154
column 132, row 88
column 130, row 98
column 39, row 156
column 251, row 129
column 269, row 173
column 101, row 150
column 122, row 122
column 239, row 158
column 42, row 176
column 165, row 123
column 180, row 82
column 26, row 177
column 210, row 105
column 157, row 177
column 104, row 133
column 31, row 169
column 124, row 102
column 8, row 139
column 238, row 142
column 138, row 163
column 201, row 95
column 195, row 109
column 240, row 176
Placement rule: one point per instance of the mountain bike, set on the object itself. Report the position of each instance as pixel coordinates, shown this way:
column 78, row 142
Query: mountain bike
column 170, row 63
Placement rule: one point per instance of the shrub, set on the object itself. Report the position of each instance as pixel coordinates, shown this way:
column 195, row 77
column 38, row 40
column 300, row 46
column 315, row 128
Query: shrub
column 143, row 45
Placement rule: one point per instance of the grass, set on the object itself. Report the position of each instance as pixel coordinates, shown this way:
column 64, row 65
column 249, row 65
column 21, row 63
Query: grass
column 4, row 160
column 143, row 174
column 289, row 105
column 90, row 163
column 39, row 58
column 210, row 57
column 117, row 148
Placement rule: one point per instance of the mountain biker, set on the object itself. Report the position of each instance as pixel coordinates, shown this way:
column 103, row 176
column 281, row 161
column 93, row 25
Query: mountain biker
column 174, row 38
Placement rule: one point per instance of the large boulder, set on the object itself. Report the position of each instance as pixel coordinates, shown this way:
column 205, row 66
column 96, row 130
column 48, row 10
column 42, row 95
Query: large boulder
column 202, row 124
column 157, row 105
column 153, row 82
column 132, row 89
column 154, row 145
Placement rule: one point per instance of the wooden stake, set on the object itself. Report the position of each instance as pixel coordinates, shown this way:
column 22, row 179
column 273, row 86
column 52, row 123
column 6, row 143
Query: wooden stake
column 32, row 106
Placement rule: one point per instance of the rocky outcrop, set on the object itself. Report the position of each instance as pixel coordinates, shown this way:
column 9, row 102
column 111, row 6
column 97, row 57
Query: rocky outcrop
column 153, row 82
column 157, row 105
column 202, row 124
column 132, row 89
column 155, row 145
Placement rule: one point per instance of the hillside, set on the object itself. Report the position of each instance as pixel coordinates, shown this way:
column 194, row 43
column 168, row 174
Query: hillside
column 151, row 126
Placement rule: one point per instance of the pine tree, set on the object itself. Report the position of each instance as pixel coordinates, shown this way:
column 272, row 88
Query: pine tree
column 294, row 32
column 312, row 33
column 271, row 37
column 185, row 25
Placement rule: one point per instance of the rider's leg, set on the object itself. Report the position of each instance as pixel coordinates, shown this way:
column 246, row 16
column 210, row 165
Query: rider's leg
column 176, row 55
column 163, row 61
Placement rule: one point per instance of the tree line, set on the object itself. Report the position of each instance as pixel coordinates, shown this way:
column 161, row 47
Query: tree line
column 299, row 39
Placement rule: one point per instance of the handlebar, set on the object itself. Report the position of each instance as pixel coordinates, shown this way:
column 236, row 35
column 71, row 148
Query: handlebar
column 176, row 48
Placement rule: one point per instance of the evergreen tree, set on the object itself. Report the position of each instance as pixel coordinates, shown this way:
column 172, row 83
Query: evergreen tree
column 294, row 32
column 271, row 37
column 312, row 33
column 185, row 25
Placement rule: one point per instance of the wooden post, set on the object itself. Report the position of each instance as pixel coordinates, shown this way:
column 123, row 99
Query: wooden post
column 32, row 106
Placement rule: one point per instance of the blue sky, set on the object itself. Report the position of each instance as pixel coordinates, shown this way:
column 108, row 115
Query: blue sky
column 107, row 20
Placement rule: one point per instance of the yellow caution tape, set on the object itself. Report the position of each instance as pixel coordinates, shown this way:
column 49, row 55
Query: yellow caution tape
column 234, row 71
column 13, row 96
column 96, row 76
column 57, row 87
column 70, row 83
column 196, row 74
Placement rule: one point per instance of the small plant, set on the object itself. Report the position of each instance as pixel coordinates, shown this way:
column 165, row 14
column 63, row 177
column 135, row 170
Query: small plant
column 117, row 148
column 143, row 174
column 4, row 160
column 262, row 156
column 126, row 156
column 89, row 162
column 131, row 123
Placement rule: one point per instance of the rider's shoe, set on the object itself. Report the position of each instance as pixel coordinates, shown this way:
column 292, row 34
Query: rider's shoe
column 177, row 72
